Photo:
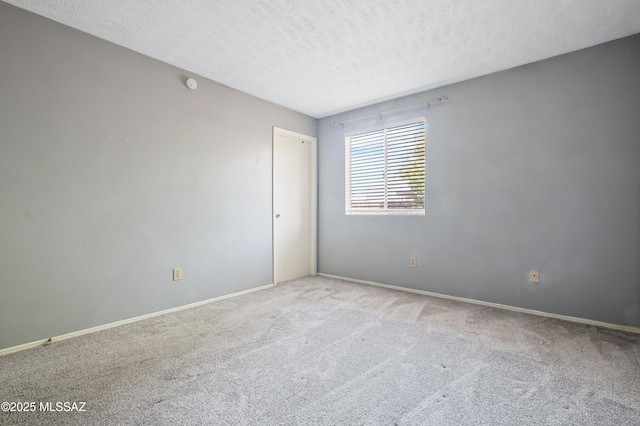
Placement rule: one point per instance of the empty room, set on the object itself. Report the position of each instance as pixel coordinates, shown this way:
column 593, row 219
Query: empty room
column 296, row 212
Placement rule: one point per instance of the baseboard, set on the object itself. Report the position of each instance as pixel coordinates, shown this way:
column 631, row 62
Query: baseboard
column 30, row 345
column 627, row 328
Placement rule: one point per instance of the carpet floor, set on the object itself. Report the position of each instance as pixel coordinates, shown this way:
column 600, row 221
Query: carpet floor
column 320, row 351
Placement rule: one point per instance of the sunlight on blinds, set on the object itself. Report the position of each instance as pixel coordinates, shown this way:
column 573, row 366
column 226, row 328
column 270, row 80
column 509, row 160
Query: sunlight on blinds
column 385, row 171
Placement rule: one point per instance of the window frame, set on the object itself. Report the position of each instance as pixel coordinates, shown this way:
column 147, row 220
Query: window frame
column 382, row 211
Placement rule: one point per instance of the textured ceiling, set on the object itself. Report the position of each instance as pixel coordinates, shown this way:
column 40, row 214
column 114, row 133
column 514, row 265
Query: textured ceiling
column 321, row 57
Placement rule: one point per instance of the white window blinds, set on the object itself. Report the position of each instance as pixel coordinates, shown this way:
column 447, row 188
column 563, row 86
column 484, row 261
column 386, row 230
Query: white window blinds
column 385, row 171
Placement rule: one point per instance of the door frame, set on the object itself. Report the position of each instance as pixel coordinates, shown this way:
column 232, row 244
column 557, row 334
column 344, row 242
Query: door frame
column 313, row 198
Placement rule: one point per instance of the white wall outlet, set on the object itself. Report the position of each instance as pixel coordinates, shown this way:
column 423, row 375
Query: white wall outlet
column 413, row 262
column 534, row 276
column 177, row 274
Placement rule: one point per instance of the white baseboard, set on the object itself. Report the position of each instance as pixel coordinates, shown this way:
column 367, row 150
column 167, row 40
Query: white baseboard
column 628, row 328
column 30, row 345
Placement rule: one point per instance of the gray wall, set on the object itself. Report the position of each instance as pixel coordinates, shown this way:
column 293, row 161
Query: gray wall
column 113, row 172
column 537, row 167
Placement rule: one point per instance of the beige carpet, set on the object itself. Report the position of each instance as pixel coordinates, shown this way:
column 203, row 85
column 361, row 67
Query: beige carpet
column 323, row 351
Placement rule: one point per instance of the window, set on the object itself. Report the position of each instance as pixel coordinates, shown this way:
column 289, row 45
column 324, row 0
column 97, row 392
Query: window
column 385, row 170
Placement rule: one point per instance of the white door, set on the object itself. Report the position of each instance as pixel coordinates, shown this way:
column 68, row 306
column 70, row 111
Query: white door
column 293, row 198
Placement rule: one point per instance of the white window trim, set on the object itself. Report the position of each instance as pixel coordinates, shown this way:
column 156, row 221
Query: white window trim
column 378, row 211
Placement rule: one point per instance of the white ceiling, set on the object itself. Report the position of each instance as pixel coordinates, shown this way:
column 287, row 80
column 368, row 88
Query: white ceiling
column 321, row 57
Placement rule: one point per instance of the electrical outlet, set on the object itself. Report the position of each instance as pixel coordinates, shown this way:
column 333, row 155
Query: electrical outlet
column 177, row 274
column 534, row 276
column 413, row 262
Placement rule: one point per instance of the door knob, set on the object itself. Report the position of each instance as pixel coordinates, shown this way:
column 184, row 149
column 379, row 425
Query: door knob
column 277, row 215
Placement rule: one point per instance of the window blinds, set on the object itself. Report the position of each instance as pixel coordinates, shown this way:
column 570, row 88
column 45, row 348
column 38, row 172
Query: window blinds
column 385, row 171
